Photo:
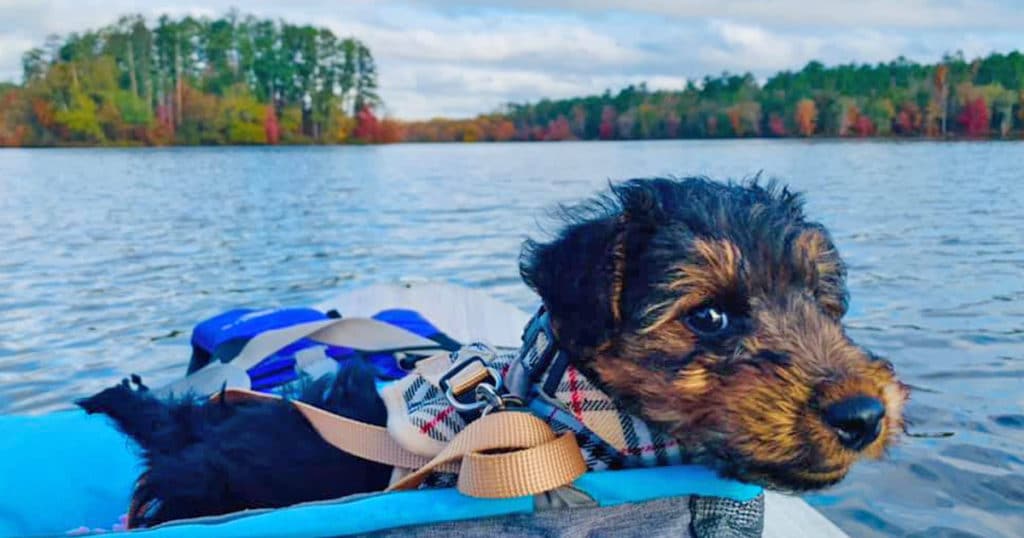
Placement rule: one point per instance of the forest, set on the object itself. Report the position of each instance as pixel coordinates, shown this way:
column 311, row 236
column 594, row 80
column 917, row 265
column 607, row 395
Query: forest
column 242, row 80
column 194, row 81
column 981, row 98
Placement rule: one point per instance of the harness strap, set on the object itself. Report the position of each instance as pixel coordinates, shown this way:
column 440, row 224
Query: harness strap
column 357, row 333
column 501, row 455
column 506, row 454
column 367, row 441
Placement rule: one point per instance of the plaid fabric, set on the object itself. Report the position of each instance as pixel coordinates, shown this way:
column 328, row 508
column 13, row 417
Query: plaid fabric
column 633, row 441
column 423, row 420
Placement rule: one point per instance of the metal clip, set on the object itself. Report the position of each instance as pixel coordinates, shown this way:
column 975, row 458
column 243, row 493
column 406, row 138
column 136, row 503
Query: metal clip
column 472, row 373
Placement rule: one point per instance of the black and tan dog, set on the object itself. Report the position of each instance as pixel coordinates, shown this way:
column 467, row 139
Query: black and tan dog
column 712, row 310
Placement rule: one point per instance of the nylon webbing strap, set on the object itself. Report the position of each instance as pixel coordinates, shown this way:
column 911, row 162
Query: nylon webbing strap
column 366, row 441
column 357, row 333
column 502, row 455
column 532, row 458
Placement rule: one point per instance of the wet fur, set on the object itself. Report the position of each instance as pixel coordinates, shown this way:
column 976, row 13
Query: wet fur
column 617, row 279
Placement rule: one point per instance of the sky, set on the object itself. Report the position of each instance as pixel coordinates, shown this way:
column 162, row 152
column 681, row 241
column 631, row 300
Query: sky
column 458, row 58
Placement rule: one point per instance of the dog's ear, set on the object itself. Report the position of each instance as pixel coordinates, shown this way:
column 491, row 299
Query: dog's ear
column 823, row 269
column 581, row 273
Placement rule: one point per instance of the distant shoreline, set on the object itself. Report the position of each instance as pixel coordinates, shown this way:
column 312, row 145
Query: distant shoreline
column 817, row 139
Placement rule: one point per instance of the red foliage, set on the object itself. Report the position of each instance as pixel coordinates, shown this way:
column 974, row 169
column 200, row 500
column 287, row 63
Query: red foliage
column 863, row 126
column 607, row 129
column 776, row 125
column 908, row 120
column 558, row 129
column 271, row 126
column 367, row 126
column 974, row 117
column 903, row 123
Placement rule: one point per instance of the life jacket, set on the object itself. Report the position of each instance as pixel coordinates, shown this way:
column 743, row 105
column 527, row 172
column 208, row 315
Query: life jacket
column 222, row 337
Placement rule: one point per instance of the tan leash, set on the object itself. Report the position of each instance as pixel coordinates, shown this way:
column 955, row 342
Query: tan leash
column 500, row 455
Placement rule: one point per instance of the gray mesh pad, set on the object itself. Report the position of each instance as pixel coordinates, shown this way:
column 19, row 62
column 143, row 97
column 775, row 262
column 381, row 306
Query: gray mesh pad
column 699, row 517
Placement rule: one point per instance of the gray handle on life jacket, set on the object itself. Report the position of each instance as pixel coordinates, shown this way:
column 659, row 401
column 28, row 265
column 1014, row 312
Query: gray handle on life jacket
column 361, row 334
column 208, row 380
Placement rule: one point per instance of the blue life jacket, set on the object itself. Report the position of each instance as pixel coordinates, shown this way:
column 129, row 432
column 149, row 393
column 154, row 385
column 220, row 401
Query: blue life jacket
column 222, row 336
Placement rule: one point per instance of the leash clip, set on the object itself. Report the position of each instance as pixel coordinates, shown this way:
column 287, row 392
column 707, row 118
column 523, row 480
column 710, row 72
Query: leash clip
column 474, row 374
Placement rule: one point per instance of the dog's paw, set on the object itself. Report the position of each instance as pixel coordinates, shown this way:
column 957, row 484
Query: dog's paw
column 114, row 397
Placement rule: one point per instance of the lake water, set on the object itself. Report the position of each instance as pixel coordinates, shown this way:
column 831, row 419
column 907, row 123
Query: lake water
column 108, row 257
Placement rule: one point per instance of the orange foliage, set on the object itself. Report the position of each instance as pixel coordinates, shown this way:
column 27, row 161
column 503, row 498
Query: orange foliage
column 12, row 131
column 733, row 113
column 44, row 112
column 941, row 76
column 504, row 130
column 806, row 117
column 391, row 131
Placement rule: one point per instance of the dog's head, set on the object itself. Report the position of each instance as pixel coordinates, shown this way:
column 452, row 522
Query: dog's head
column 715, row 311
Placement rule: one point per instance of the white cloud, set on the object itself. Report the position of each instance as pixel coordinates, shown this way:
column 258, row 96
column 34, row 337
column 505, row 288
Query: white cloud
column 11, row 48
column 488, row 40
column 747, row 47
column 916, row 14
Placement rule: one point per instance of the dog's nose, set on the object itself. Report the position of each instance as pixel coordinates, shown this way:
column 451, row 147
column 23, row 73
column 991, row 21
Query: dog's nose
column 857, row 420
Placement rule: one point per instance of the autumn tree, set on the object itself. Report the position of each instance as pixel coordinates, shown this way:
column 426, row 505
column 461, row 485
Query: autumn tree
column 271, row 126
column 608, row 121
column 805, row 117
column 559, row 129
column 138, row 79
column 366, row 125
column 974, row 117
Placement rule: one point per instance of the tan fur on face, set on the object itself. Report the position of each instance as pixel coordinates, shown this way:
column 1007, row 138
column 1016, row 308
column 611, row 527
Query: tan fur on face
column 715, row 267
column 822, row 268
column 618, row 269
column 762, row 415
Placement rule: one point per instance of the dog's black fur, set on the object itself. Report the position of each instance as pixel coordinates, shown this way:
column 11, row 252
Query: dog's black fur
column 216, row 458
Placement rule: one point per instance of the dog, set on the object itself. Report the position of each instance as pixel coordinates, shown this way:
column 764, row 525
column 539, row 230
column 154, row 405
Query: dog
column 713, row 310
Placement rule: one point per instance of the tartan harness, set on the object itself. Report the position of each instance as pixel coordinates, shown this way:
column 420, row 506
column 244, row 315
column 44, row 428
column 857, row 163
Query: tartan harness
column 444, row 393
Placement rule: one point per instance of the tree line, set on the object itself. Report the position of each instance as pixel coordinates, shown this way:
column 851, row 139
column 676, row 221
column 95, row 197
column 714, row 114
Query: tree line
column 241, row 80
column 230, row 80
column 980, row 98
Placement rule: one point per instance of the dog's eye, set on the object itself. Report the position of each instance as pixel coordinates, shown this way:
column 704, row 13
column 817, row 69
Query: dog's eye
column 707, row 320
